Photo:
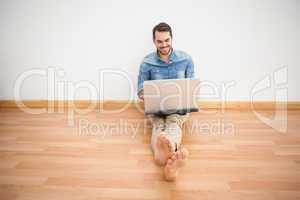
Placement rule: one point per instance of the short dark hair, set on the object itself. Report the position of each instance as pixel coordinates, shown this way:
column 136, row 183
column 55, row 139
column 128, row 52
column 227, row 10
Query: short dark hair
column 162, row 27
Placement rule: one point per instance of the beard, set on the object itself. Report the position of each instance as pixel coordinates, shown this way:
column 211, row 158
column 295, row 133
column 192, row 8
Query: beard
column 164, row 51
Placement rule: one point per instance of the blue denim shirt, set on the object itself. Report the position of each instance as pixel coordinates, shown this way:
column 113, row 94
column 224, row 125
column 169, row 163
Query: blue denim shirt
column 154, row 68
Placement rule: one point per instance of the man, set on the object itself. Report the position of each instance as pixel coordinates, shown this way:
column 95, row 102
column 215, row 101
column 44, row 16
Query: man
column 166, row 63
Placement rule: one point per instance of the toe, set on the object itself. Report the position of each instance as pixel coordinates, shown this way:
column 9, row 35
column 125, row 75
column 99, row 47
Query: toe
column 169, row 162
column 173, row 158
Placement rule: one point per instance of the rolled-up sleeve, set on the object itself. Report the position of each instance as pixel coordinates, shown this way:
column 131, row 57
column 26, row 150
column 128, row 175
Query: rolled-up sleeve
column 189, row 73
column 143, row 76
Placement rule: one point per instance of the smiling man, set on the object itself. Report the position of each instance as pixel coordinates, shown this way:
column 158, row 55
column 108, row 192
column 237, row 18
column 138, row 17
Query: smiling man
column 166, row 63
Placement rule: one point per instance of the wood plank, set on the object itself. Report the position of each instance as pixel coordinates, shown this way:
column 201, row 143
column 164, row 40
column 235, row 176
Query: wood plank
column 42, row 157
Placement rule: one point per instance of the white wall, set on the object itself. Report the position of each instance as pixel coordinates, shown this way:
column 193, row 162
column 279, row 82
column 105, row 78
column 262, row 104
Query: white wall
column 240, row 41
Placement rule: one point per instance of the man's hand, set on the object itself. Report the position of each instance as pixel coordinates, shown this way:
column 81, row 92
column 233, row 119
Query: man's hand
column 141, row 95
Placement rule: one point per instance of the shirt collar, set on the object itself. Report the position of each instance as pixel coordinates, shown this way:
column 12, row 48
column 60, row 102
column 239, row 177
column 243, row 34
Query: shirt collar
column 171, row 56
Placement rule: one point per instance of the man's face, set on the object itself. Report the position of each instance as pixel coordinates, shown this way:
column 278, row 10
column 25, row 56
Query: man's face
column 163, row 42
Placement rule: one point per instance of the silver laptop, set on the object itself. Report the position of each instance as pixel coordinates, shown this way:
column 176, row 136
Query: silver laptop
column 169, row 96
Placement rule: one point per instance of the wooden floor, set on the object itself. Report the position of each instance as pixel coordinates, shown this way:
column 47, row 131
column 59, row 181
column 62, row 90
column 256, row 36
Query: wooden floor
column 233, row 155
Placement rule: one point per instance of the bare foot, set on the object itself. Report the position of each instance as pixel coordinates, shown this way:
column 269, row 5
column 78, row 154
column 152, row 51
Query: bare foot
column 163, row 149
column 176, row 161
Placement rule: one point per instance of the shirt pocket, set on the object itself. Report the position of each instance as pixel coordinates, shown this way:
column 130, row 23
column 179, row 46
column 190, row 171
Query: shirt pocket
column 180, row 71
column 156, row 74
